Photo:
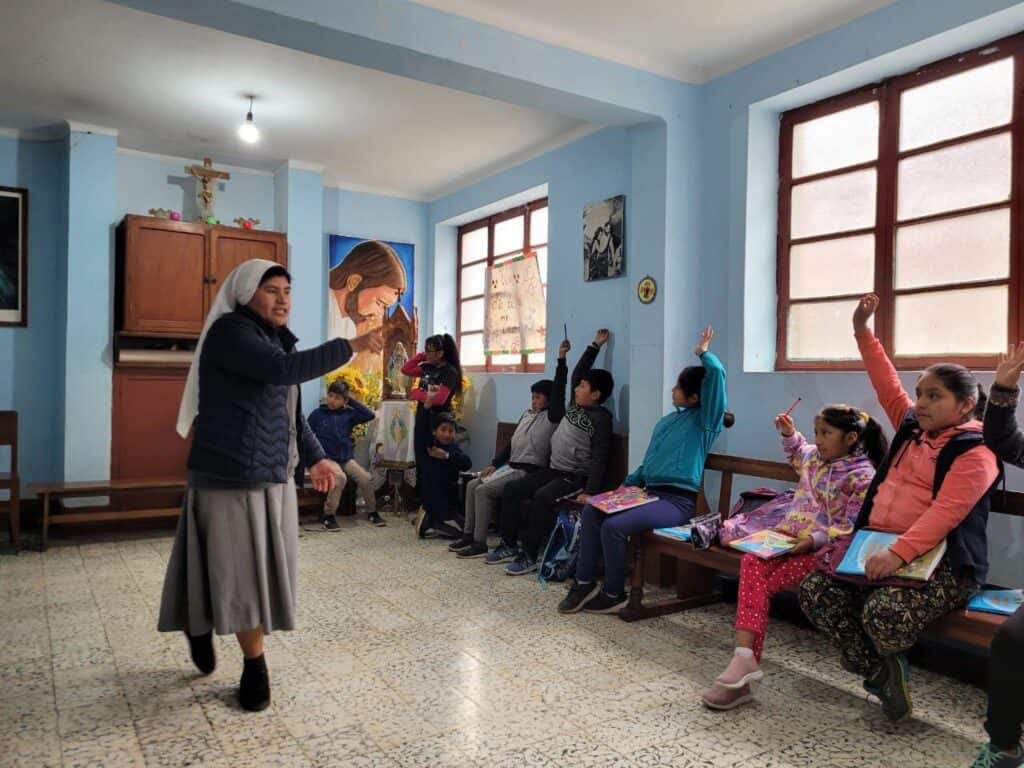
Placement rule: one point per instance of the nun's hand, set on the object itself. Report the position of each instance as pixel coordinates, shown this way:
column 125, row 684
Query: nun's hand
column 324, row 475
column 371, row 341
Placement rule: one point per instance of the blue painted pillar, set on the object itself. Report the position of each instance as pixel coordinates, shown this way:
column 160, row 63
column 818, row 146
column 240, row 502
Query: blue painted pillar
column 88, row 326
column 299, row 210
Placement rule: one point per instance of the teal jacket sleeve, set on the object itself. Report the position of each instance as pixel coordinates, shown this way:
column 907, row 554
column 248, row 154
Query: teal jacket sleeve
column 712, row 392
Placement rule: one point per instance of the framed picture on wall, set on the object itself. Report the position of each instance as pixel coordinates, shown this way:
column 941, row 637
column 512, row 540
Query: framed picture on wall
column 13, row 256
column 604, row 239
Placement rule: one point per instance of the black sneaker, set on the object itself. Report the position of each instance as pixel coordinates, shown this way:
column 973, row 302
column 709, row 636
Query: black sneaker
column 460, row 543
column 330, row 523
column 472, row 550
column 604, row 603
column 448, row 531
column 577, row 596
column 876, row 682
column 376, row 519
column 201, row 649
column 254, row 689
column 895, row 696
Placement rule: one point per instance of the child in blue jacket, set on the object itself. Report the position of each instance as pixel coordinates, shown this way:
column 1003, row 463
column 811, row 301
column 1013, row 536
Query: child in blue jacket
column 332, row 424
column 671, row 470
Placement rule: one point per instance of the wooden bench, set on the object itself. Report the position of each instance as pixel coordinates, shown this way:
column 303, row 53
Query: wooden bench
column 696, row 570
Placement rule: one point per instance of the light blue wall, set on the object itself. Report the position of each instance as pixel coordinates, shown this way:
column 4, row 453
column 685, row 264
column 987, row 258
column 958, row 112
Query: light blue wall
column 30, row 372
column 152, row 181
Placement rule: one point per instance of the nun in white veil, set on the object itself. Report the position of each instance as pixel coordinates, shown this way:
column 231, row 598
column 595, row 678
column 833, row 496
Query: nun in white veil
column 232, row 569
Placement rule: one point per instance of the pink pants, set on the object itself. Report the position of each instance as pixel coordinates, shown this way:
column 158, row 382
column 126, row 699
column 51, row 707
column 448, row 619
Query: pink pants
column 760, row 580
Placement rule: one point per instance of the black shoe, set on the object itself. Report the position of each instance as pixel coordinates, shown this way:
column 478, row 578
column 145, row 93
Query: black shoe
column 604, row 603
column 876, row 682
column 472, row 550
column 376, row 520
column 460, row 543
column 895, row 695
column 330, row 523
column 254, row 690
column 577, row 596
column 201, row 648
column 448, row 531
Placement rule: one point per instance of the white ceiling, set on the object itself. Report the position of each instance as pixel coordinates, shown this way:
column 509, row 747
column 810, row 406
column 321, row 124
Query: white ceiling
column 689, row 40
column 176, row 89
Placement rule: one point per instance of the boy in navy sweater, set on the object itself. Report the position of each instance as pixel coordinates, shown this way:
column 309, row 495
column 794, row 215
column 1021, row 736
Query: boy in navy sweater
column 440, row 473
column 332, row 424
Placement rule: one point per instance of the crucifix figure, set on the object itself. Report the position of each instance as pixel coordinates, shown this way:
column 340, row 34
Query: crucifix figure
column 206, row 174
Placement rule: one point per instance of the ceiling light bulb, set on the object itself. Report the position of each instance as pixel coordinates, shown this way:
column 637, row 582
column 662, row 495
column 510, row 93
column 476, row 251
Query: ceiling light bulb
column 247, row 131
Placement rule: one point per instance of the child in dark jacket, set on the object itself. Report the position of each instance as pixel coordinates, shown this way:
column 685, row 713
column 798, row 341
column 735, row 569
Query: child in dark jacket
column 579, row 457
column 332, row 424
column 1005, row 667
column 440, row 473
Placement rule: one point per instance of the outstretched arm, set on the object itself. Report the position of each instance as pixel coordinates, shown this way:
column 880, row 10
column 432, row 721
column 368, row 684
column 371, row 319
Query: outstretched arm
column 1002, row 433
column 882, row 373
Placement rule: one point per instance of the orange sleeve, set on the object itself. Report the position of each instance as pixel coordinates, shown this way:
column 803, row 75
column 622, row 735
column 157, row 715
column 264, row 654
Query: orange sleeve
column 970, row 476
column 891, row 396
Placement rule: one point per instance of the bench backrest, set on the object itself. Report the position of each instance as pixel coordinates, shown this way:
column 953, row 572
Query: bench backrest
column 1006, row 502
column 618, row 458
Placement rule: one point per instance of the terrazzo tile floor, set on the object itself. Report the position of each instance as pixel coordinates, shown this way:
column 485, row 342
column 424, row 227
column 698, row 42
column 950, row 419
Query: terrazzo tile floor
column 406, row 656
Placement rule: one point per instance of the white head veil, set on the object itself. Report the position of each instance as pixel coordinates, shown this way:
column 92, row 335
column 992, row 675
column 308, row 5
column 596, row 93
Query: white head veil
column 237, row 290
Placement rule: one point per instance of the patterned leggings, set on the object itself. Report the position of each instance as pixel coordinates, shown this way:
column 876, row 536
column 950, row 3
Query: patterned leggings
column 760, row 580
column 870, row 622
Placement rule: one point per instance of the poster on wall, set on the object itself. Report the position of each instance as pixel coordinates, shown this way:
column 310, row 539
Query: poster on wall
column 367, row 280
column 515, row 316
column 604, row 242
column 13, row 256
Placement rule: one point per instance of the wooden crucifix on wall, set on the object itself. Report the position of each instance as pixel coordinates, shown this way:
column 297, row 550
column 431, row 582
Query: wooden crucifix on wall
column 207, row 175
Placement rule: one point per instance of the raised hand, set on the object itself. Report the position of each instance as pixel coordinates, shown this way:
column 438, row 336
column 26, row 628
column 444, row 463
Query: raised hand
column 563, row 349
column 865, row 309
column 784, row 424
column 1010, row 366
column 601, row 337
column 705, row 340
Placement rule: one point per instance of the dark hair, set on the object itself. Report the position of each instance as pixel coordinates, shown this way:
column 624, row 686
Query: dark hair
column 442, row 417
column 375, row 262
column 601, row 380
column 961, row 382
column 277, row 271
column 871, row 440
column 543, row 387
column 446, row 344
column 690, row 379
column 338, row 387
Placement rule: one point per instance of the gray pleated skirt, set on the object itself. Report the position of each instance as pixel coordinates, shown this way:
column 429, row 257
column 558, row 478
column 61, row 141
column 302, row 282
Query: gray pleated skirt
column 233, row 564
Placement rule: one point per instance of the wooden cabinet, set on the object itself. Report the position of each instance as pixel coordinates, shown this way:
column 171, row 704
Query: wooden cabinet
column 144, row 441
column 169, row 272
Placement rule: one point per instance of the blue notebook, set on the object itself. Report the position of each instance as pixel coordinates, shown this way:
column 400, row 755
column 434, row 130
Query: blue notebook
column 679, row 532
column 1001, row 601
column 867, row 543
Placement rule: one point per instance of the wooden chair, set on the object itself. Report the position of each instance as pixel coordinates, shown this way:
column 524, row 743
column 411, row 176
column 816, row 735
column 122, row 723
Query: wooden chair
column 10, row 481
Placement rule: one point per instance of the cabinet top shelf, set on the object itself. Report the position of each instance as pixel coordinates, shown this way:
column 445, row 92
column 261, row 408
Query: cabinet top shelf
column 194, row 226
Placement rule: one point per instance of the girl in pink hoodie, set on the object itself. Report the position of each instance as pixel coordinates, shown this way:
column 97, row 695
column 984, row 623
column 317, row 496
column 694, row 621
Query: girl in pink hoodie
column 834, row 474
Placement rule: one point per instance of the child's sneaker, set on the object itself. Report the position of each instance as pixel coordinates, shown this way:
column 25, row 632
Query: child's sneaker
column 722, row 698
column 577, row 596
column 502, row 553
column 895, row 696
column 376, row 519
column 330, row 523
column 992, row 757
column 471, row 551
column 523, row 565
column 604, row 603
column 460, row 543
column 742, row 669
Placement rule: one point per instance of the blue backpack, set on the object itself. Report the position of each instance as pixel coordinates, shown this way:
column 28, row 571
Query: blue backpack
column 558, row 563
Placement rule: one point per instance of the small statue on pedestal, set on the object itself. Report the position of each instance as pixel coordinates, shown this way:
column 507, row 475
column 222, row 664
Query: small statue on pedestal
column 397, row 379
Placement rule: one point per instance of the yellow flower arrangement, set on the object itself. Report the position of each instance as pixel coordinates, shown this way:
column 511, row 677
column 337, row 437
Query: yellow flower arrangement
column 365, row 390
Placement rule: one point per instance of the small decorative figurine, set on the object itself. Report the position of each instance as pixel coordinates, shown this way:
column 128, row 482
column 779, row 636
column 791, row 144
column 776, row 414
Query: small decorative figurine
column 246, row 223
column 399, row 357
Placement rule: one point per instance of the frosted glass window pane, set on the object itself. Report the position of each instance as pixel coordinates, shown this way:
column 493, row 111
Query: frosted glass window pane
column 537, row 358
column 542, row 264
column 472, row 315
column 821, row 331
column 960, row 250
column 974, row 173
column 971, row 101
column 471, row 349
column 965, row 321
column 836, row 204
column 539, row 226
column 832, row 267
column 506, row 359
column 473, row 279
column 843, row 138
column 508, row 235
column 474, row 245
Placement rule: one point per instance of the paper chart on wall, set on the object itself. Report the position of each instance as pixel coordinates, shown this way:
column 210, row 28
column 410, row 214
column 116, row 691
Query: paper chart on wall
column 515, row 315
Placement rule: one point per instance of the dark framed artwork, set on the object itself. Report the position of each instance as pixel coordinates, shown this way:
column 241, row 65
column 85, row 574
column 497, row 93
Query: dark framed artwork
column 604, row 239
column 13, row 256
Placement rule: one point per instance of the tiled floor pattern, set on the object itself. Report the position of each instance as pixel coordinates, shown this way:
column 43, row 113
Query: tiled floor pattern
column 408, row 657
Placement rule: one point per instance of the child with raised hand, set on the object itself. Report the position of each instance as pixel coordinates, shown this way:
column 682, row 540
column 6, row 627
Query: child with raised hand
column 834, row 474
column 671, row 470
column 933, row 485
column 1005, row 667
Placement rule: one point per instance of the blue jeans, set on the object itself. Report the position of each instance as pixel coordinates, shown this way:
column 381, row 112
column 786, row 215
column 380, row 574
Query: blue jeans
column 609, row 535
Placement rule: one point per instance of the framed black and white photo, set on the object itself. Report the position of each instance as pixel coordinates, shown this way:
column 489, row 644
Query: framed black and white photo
column 13, row 256
column 604, row 239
